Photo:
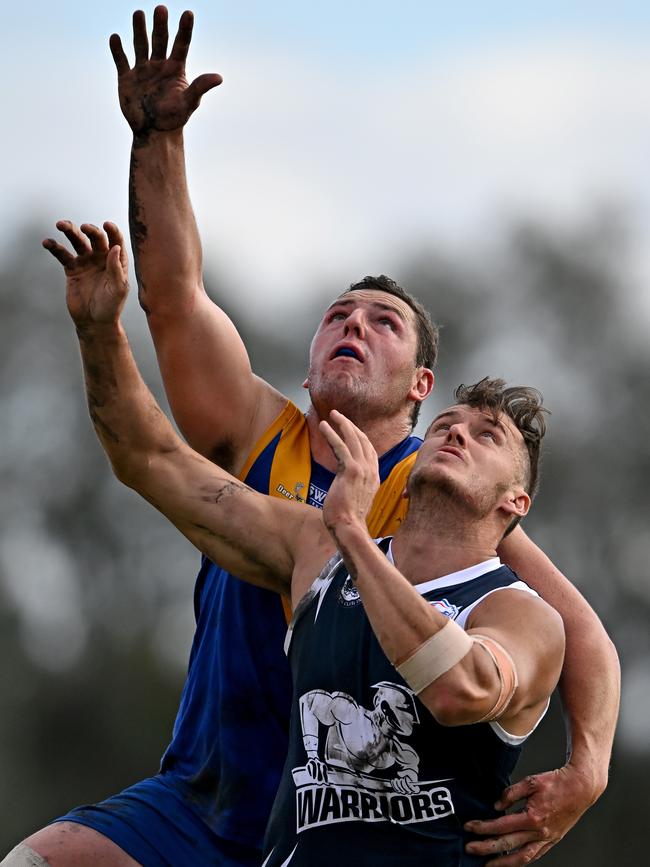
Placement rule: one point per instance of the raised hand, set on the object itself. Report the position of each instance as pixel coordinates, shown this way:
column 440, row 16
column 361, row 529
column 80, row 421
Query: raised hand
column 554, row 803
column 357, row 477
column 96, row 273
column 155, row 94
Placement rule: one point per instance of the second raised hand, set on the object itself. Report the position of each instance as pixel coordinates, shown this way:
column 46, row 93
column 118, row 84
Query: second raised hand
column 357, row 479
column 155, row 94
column 96, row 273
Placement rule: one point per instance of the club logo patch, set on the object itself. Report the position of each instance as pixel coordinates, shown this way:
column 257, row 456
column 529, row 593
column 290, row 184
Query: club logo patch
column 349, row 595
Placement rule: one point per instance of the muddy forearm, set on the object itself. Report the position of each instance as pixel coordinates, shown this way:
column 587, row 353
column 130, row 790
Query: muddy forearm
column 164, row 234
column 128, row 421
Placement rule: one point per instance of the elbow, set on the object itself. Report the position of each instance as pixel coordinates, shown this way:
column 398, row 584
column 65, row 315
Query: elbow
column 125, row 470
column 131, row 468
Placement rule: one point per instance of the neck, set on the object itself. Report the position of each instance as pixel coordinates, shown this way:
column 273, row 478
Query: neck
column 383, row 433
column 440, row 539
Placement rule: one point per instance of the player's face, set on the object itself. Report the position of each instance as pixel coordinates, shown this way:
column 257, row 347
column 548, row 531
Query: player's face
column 365, row 350
column 472, row 456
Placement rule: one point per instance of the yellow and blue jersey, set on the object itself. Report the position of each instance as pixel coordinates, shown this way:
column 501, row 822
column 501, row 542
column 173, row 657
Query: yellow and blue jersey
column 219, row 775
column 230, row 738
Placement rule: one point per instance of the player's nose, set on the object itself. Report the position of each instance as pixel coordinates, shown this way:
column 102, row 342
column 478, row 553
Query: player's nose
column 457, row 434
column 355, row 322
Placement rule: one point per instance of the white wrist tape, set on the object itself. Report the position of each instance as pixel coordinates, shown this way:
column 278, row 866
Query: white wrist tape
column 436, row 656
column 507, row 674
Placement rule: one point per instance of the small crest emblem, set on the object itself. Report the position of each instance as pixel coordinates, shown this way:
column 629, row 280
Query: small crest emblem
column 349, row 595
column 445, row 607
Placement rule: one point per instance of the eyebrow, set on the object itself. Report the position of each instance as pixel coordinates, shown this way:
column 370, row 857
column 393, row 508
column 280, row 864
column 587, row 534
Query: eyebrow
column 381, row 305
column 452, row 414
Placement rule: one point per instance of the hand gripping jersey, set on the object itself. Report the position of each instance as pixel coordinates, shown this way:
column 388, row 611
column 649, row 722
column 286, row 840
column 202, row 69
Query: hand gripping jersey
column 371, row 778
column 220, row 773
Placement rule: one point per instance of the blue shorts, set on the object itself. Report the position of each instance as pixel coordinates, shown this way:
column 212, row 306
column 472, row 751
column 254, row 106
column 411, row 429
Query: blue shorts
column 153, row 824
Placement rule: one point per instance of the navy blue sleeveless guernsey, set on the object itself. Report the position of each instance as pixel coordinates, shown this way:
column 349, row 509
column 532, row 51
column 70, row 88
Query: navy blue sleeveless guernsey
column 371, row 778
column 220, row 773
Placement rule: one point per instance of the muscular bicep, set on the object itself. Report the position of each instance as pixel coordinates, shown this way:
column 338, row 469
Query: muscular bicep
column 533, row 634
column 249, row 534
column 219, row 404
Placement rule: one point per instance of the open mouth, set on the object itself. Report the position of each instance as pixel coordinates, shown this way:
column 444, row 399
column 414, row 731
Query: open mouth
column 347, row 352
column 450, row 450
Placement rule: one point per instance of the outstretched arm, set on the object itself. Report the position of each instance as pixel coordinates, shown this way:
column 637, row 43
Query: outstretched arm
column 590, row 688
column 403, row 620
column 214, row 510
column 220, row 405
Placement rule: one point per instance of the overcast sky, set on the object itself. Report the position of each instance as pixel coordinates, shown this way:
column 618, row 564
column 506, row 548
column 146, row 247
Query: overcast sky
column 346, row 134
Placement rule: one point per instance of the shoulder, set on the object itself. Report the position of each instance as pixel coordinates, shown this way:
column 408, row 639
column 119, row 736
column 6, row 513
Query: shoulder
column 285, row 438
column 400, row 458
column 525, row 610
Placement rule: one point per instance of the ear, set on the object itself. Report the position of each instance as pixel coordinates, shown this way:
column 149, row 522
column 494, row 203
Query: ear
column 422, row 384
column 515, row 502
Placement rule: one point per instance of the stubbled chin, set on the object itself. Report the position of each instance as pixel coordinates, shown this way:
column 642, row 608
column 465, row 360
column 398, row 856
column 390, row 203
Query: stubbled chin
column 445, row 488
column 343, row 379
column 340, row 390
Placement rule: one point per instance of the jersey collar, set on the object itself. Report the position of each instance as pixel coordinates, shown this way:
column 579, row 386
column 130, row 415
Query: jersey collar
column 454, row 578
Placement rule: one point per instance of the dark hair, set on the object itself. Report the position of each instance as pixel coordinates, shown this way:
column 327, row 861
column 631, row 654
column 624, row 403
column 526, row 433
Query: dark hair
column 523, row 405
column 426, row 330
